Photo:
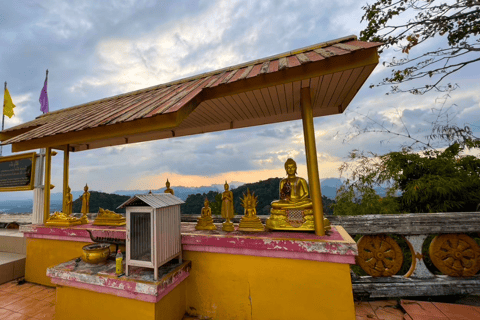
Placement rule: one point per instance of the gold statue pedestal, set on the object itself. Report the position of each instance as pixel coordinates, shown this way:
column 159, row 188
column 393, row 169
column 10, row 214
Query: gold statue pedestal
column 60, row 219
column 205, row 223
column 227, row 226
column 252, row 224
column 293, row 219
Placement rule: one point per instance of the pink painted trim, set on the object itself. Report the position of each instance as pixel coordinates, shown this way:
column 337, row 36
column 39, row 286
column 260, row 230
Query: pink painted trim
column 54, row 237
column 325, row 257
column 120, row 292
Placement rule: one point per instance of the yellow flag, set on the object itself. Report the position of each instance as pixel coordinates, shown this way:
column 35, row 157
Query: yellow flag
column 8, row 104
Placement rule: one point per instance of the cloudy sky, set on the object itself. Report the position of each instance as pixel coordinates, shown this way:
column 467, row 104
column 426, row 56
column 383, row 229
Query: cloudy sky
column 96, row 49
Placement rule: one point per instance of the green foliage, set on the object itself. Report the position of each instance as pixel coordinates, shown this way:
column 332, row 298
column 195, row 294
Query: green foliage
column 195, row 202
column 101, row 200
column 428, row 181
column 458, row 22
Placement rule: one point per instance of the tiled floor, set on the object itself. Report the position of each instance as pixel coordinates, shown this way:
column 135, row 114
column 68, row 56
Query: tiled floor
column 414, row 310
column 31, row 301
column 26, row 301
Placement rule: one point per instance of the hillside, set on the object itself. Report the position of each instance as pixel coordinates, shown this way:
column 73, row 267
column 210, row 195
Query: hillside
column 266, row 190
column 102, row 200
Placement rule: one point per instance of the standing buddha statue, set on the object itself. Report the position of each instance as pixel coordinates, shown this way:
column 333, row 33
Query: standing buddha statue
column 294, row 209
column 227, row 209
column 85, row 203
column 169, row 190
column 68, row 202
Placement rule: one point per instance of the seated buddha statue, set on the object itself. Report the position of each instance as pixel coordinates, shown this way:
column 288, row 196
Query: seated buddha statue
column 293, row 190
column 294, row 209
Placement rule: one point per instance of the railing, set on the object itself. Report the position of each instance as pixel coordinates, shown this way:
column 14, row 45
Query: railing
column 394, row 251
column 386, row 243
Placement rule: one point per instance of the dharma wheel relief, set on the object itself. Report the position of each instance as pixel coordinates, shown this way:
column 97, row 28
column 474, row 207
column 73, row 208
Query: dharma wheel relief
column 454, row 255
column 379, row 255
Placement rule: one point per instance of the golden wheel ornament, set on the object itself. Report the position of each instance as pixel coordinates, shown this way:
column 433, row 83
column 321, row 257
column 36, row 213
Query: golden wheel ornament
column 456, row 255
column 379, row 255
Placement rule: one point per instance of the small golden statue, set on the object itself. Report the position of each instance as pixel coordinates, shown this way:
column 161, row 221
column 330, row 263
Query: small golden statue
column 60, row 219
column 68, row 202
column 205, row 222
column 294, row 210
column 85, row 203
column 65, row 219
column 168, row 190
column 106, row 217
column 250, row 221
column 227, row 209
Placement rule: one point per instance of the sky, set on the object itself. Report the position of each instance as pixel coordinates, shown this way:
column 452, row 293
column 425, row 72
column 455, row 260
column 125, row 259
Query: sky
column 97, row 49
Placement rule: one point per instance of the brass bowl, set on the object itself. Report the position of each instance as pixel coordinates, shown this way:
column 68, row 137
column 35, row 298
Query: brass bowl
column 95, row 252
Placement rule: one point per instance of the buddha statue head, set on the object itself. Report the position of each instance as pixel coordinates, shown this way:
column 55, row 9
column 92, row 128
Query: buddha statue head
column 291, row 167
column 226, row 185
column 85, row 188
column 167, row 184
column 206, row 203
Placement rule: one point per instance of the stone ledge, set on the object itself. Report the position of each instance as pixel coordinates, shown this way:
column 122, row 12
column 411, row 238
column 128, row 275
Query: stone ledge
column 102, row 278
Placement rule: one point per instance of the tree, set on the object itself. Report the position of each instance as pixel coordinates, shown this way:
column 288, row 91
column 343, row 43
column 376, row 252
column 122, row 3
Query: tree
column 428, row 181
column 457, row 22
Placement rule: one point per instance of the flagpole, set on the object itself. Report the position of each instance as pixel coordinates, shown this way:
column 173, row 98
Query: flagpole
column 3, row 116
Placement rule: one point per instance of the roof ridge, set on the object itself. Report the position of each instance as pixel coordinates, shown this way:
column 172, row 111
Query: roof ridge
column 209, row 73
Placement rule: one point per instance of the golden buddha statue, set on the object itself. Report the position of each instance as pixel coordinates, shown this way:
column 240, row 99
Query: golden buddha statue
column 294, row 210
column 205, row 222
column 68, row 202
column 65, row 219
column 168, row 190
column 107, row 217
column 85, row 203
column 250, row 221
column 227, row 209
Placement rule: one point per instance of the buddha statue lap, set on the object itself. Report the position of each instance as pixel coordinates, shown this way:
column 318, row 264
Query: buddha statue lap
column 294, row 210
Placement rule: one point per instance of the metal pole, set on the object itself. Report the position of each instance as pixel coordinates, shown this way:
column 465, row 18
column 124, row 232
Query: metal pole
column 48, row 171
column 66, row 159
column 312, row 164
column 3, row 116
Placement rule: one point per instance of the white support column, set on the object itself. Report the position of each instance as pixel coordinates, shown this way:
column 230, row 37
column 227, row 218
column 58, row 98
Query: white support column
column 38, row 191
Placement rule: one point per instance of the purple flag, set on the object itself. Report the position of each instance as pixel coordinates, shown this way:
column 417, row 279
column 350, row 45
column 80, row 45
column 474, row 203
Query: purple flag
column 44, row 97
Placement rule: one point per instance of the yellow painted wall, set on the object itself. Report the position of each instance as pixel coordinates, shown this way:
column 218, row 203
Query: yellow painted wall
column 43, row 253
column 73, row 304
column 223, row 286
column 172, row 306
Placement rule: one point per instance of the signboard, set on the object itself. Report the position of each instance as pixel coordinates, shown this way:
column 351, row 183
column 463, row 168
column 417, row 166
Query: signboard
column 17, row 173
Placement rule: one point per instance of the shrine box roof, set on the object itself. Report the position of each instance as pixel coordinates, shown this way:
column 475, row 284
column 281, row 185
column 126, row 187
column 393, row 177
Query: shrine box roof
column 158, row 200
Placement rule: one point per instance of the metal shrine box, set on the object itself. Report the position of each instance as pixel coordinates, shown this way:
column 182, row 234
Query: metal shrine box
column 153, row 230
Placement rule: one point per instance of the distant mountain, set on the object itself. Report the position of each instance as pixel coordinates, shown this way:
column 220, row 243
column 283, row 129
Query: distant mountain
column 182, row 192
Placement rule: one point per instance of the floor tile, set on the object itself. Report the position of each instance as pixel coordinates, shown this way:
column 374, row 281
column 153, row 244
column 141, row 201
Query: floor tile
column 7, row 285
column 457, row 311
column 29, row 291
column 52, row 298
column 16, row 316
column 11, row 298
column 33, row 308
column 42, row 294
column 422, row 310
column 4, row 313
column 45, row 313
column 364, row 310
column 20, row 304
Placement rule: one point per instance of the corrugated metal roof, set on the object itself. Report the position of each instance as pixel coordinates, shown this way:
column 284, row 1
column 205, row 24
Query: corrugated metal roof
column 253, row 93
column 154, row 200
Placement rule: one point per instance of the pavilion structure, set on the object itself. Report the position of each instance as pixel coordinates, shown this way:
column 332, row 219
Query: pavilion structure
column 314, row 81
